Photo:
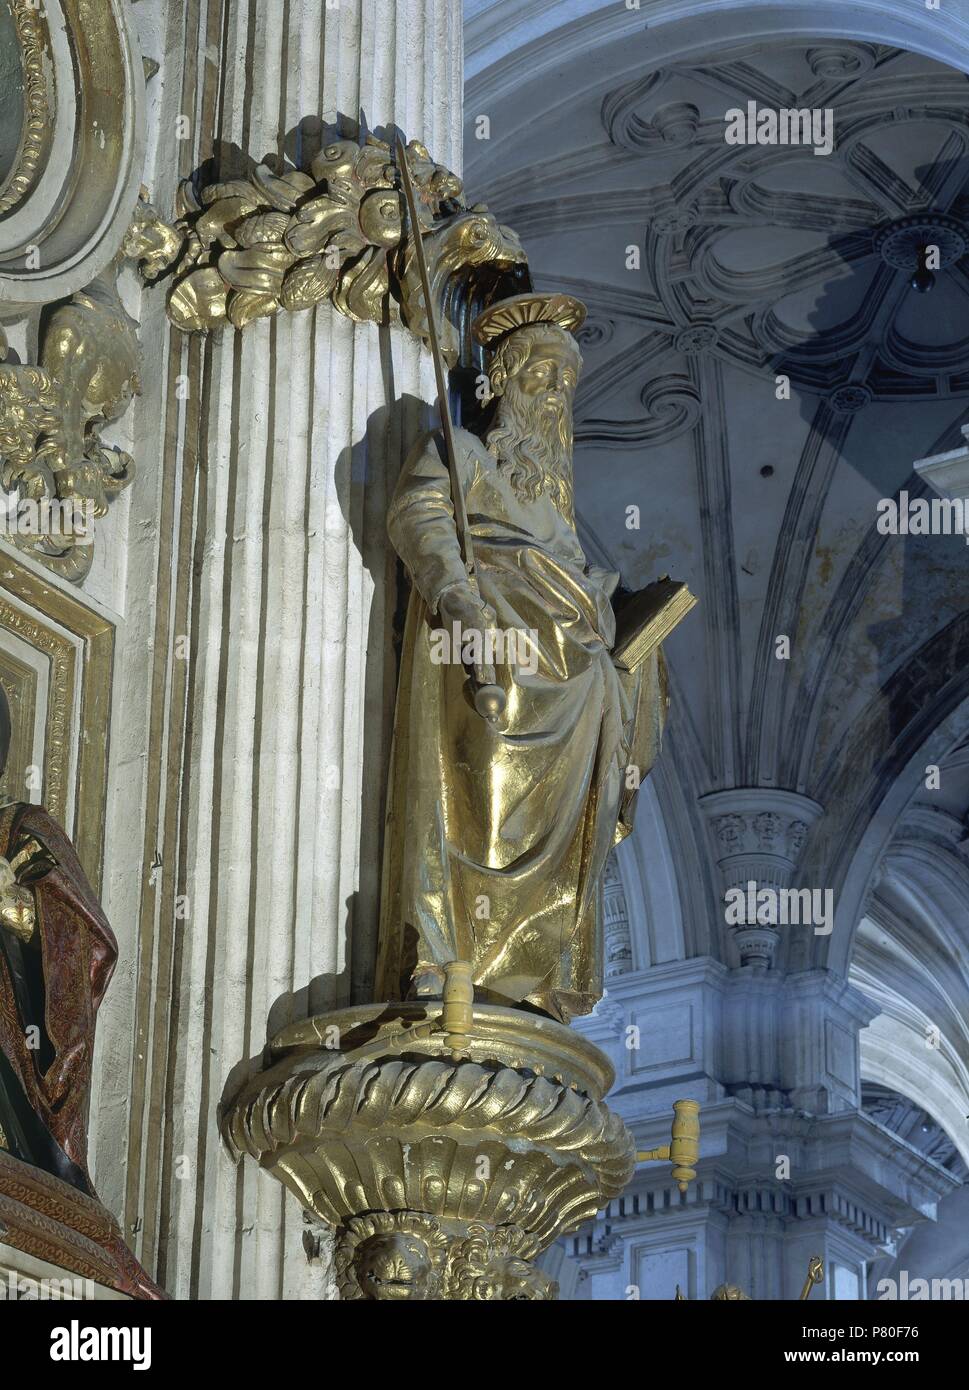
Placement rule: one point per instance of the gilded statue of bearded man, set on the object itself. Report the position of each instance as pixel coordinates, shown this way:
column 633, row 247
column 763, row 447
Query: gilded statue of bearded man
column 498, row 832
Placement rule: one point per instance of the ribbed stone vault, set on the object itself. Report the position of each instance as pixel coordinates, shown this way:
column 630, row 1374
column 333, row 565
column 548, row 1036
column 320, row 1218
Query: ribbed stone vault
column 710, row 270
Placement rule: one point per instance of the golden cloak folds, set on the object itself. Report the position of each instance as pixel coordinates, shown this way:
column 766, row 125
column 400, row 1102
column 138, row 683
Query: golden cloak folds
column 497, row 835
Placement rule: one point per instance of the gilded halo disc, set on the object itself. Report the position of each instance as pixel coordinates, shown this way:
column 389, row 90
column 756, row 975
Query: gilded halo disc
column 521, row 309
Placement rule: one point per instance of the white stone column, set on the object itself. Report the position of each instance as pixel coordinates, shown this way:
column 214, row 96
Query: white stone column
column 274, row 672
column 789, row 1167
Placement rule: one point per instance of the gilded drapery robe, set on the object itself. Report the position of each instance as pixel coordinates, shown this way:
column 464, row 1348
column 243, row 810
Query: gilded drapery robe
column 53, row 984
column 497, row 835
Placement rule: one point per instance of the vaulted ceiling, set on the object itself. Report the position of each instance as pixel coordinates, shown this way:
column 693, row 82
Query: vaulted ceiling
column 712, row 270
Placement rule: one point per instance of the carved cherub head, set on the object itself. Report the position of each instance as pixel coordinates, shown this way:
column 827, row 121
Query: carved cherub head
column 490, row 1266
column 729, row 1293
column 150, row 240
column 394, row 1266
column 390, row 1256
column 511, row 1279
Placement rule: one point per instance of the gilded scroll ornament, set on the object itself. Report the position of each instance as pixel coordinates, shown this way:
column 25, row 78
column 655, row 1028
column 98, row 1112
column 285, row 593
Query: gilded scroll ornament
column 251, row 246
column 52, row 414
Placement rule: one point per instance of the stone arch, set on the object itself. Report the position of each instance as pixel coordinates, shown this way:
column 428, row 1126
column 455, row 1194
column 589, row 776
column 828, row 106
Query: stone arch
column 865, row 803
column 526, row 41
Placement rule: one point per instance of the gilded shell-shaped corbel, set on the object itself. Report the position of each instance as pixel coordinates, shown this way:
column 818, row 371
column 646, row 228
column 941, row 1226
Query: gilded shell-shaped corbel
column 444, row 1174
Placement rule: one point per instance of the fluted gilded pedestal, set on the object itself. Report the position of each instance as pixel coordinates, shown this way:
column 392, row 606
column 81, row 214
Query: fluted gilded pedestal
column 444, row 1172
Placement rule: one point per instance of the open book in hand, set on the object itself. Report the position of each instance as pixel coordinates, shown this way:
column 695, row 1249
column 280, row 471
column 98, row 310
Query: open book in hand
column 647, row 618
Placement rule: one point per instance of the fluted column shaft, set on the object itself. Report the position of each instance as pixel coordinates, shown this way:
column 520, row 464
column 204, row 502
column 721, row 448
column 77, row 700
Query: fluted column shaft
column 274, row 694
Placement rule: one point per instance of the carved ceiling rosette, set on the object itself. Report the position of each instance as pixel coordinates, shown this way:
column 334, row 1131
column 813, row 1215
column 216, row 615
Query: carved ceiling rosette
column 733, row 250
column 71, row 160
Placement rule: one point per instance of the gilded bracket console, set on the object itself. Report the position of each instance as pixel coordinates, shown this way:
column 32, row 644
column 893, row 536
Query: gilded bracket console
column 448, row 1143
column 444, row 1174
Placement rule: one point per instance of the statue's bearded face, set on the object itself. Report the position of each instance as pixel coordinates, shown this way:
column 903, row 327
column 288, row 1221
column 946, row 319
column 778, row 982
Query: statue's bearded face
column 535, row 373
column 546, row 381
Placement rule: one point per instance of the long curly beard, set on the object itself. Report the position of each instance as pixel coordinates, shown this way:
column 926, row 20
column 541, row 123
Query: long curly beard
column 535, row 460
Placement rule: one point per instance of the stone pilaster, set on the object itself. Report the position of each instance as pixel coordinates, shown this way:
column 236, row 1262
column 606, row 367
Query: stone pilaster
column 262, row 587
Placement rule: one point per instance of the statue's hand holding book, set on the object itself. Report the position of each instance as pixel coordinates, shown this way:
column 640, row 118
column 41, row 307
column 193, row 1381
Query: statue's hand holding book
column 646, row 618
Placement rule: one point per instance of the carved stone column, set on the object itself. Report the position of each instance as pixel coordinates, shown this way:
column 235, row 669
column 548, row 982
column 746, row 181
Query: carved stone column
column 273, row 680
column 789, row 1168
column 615, row 913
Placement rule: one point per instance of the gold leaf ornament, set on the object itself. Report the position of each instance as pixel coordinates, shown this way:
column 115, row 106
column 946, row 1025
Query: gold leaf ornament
column 363, row 288
column 215, row 222
column 282, row 191
column 380, row 219
column 308, row 283
column 198, row 303
column 293, row 239
column 246, row 305
column 319, row 220
column 335, row 161
column 259, row 268
column 262, row 228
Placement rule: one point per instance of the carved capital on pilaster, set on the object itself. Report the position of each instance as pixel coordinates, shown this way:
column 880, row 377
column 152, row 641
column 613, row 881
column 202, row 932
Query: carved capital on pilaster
column 760, row 833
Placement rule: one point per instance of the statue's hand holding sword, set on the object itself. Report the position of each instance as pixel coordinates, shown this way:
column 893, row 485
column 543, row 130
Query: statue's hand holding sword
column 458, row 604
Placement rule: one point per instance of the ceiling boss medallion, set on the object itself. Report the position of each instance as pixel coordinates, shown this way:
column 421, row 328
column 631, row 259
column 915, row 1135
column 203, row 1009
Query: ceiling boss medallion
column 899, row 243
column 792, row 280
